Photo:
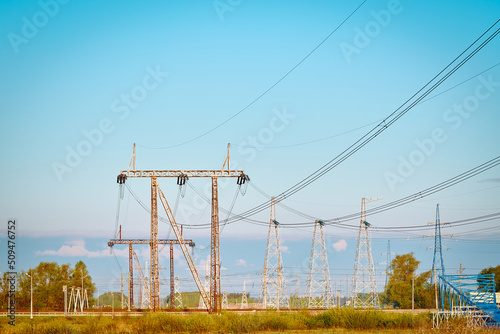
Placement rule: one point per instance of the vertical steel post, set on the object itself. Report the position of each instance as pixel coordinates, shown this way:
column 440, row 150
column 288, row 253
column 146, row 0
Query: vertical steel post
column 122, row 291
column 215, row 300
column 65, row 290
column 154, row 277
column 130, row 276
column 172, row 278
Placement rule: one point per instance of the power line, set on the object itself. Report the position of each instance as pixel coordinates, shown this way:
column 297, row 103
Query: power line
column 339, row 221
column 266, row 91
column 397, row 203
column 367, row 125
column 416, row 98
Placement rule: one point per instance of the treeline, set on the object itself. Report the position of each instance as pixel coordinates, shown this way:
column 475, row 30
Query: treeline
column 402, row 271
column 48, row 281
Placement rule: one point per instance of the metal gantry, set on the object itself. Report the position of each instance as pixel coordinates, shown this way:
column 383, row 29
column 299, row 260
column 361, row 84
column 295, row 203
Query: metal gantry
column 273, row 293
column 364, row 286
column 213, row 301
column 470, row 296
column 78, row 298
column 131, row 242
column 319, row 287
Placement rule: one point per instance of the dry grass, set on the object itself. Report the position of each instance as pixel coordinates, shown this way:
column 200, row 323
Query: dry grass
column 333, row 321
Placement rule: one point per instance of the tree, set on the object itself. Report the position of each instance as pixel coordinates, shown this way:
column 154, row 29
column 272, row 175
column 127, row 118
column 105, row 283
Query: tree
column 109, row 299
column 493, row 270
column 399, row 285
column 48, row 281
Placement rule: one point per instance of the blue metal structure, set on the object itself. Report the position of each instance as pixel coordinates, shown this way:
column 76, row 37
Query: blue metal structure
column 437, row 268
column 472, row 296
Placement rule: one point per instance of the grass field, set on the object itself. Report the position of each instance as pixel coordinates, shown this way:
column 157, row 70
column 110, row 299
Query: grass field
column 332, row 321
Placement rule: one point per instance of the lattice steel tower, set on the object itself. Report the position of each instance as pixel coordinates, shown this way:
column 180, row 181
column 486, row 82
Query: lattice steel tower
column 178, row 294
column 364, row 286
column 319, row 286
column 389, row 262
column 437, row 261
column 274, row 293
column 244, row 301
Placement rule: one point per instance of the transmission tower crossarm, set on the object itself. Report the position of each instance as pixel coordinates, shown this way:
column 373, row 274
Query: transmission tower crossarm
column 113, row 242
column 184, row 249
column 177, row 173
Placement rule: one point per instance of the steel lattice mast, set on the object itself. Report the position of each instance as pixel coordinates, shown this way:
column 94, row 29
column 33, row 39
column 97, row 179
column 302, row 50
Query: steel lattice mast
column 274, row 293
column 244, row 302
column 437, row 261
column 389, row 262
column 319, row 287
column 364, row 286
column 178, row 293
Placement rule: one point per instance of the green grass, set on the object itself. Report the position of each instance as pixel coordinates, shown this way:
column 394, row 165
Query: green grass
column 332, row 321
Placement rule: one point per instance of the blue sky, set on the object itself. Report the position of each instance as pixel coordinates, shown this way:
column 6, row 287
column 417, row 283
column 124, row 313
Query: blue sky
column 83, row 81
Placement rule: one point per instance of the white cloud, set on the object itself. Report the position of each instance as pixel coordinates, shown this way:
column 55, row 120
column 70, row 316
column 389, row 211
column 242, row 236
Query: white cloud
column 77, row 248
column 285, row 249
column 241, row 262
column 340, row 245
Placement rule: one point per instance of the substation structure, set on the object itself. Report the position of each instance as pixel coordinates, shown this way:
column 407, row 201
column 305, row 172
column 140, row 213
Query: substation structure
column 212, row 301
column 131, row 242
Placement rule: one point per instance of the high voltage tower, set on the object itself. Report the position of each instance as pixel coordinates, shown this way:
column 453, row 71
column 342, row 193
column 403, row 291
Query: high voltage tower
column 388, row 262
column 437, row 261
column 224, row 300
column 206, row 283
column 364, row 286
column 212, row 298
column 178, row 296
column 244, row 302
column 274, row 293
column 319, row 287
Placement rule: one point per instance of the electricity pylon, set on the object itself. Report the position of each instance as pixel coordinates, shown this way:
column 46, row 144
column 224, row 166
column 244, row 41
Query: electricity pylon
column 201, row 304
column 274, row 293
column 437, row 261
column 178, row 295
column 244, row 301
column 319, row 287
column 224, row 300
column 388, row 262
column 364, row 286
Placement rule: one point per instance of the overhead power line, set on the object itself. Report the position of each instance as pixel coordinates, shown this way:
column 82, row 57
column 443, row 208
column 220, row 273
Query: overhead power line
column 312, row 141
column 339, row 222
column 405, row 200
column 416, row 98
